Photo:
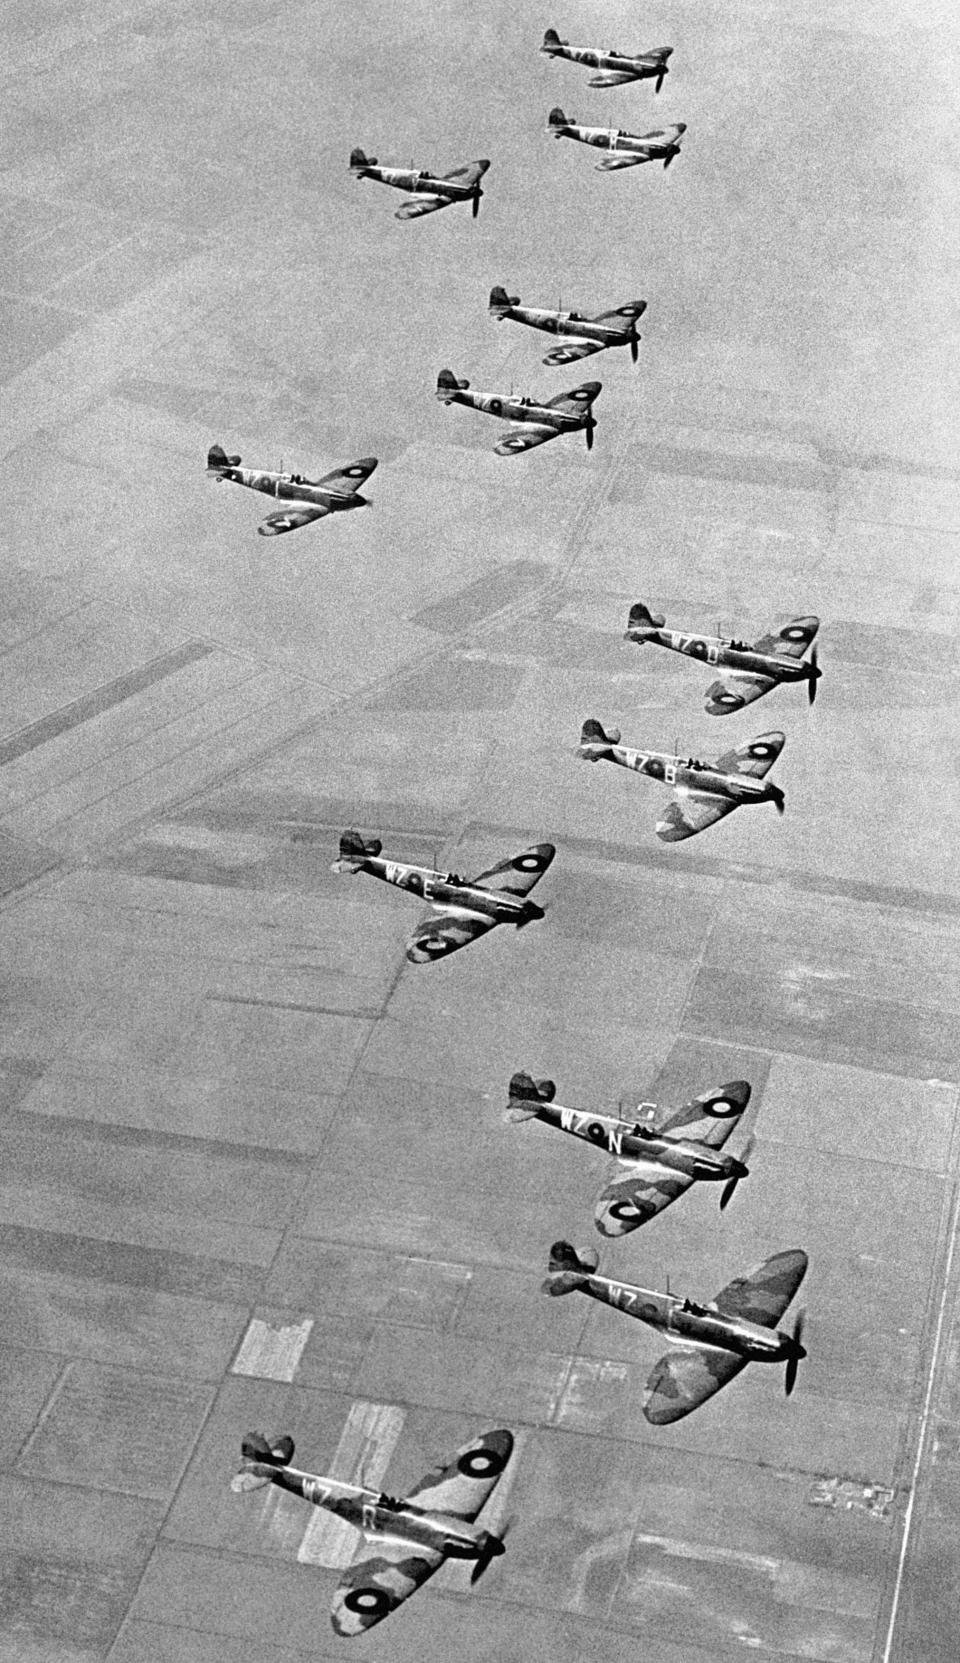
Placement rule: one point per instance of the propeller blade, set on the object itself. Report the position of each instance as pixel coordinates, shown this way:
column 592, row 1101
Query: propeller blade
column 589, row 432
column 492, row 1548
column 476, row 205
column 634, row 348
column 729, row 1188
column 812, row 683
column 793, row 1363
column 660, row 81
column 668, row 158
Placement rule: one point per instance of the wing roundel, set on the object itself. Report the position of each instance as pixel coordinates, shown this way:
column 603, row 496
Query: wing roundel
column 683, row 1380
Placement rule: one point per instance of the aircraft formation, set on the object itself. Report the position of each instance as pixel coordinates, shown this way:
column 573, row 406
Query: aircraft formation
column 652, row 1158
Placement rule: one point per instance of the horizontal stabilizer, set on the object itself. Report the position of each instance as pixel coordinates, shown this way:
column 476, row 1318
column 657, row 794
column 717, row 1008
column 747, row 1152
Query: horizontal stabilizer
column 594, row 742
column 217, row 458
column 501, row 302
column 259, row 1453
column 448, row 383
column 642, row 618
column 568, row 1269
column 526, row 1093
column 354, row 850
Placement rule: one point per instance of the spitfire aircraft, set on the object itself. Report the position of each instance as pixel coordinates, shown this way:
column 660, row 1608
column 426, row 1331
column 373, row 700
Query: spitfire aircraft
column 719, row 1339
column 468, row 907
column 704, row 791
column 658, row 1159
column 402, row 1542
column 430, row 191
column 532, row 423
column 626, row 149
column 749, row 671
column 616, row 68
column 584, row 335
column 306, row 499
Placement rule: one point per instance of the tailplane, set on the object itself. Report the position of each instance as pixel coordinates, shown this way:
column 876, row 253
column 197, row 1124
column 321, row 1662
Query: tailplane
column 260, row 1458
column 641, row 620
column 501, row 302
column 217, row 460
column 595, row 744
column 526, row 1094
column 447, row 385
column 568, row 1269
column 354, row 850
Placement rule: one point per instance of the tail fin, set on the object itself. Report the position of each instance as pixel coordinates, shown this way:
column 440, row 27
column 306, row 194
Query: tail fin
column 354, row 850
column 641, row 618
column 594, row 742
column 556, row 118
column 447, row 383
column 501, row 302
column 257, row 1454
column 525, row 1094
column 568, row 1269
column 217, row 459
column 551, row 38
column 358, row 161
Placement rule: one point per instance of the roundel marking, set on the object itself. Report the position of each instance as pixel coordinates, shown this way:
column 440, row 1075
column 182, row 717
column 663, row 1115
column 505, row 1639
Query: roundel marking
column 760, row 750
column 481, row 1463
column 354, row 473
column 368, row 1602
column 596, row 1132
column 527, row 863
column 496, row 406
column 727, row 698
column 721, row 1107
column 794, row 634
column 626, row 1211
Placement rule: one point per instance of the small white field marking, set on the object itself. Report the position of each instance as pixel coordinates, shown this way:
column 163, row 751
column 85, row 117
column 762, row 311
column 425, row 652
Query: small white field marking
column 272, row 1353
column 456, row 1573
column 922, row 1434
column 362, row 1456
column 710, row 1555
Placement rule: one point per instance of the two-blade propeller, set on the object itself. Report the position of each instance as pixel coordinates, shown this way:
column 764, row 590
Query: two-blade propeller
column 730, row 1187
column 814, row 674
column 491, row 1547
column 797, row 1354
column 658, row 86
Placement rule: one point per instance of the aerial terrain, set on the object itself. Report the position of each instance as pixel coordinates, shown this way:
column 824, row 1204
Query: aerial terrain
column 254, row 1168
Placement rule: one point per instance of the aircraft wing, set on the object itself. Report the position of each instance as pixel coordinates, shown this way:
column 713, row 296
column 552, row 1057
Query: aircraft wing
column 764, row 1293
column 733, row 690
column 524, row 436
column 577, row 402
column 691, row 813
column 385, row 1571
column 756, row 757
column 792, row 640
column 345, row 481
column 423, row 203
column 711, row 1117
column 446, row 933
column 623, row 315
column 467, row 175
column 623, row 158
column 613, row 78
column 463, row 1487
column 292, row 517
column 637, row 1192
column 517, row 875
column 573, row 348
column 683, row 1380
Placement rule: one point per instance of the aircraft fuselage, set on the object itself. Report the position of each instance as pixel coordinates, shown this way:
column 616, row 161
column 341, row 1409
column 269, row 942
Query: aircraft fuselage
column 568, row 323
column 445, row 891
column 631, row 1142
column 415, row 179
column 687, row 775
column 515, row 409
column 377, row 1515
column 713, row 650
column 290, row 488
column 683, row 1321
column 593, row 58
